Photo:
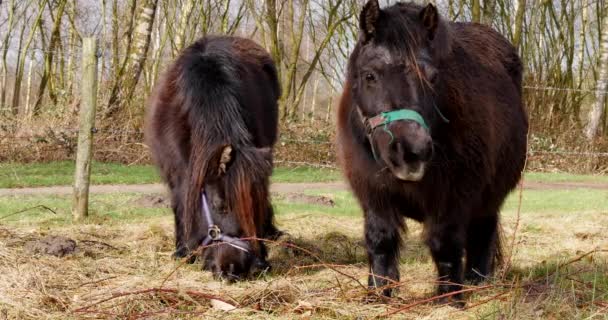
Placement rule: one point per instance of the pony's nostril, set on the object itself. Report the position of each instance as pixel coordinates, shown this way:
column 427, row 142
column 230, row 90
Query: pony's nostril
column 260, row 265
column 395, row 146
column 425, row 153
column 413, row 153
column 410, row 156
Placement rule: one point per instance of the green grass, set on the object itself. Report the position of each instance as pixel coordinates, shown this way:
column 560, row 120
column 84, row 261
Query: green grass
column 18, row 175
column 107, row 209
column 537, row 201
column 305, row 174
column 565, row 177
column 345, row 204
column 114, row 208
column 573, row 201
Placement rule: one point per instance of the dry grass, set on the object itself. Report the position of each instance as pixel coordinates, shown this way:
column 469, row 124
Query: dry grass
column 124, row 270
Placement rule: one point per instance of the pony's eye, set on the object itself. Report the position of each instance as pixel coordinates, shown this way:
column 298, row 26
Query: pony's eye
column 369, row 77
column 221, row 209
column 430, row 73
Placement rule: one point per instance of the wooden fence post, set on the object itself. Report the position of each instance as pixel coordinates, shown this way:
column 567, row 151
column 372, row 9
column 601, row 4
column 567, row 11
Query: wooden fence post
column 88, row 91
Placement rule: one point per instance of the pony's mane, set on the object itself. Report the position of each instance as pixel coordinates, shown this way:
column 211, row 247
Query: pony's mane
column 209, row 87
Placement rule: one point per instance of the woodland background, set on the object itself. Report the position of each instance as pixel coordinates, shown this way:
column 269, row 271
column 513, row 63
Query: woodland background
column 563, row 43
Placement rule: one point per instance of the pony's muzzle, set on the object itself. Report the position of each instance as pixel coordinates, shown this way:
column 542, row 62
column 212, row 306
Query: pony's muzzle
column 260, row 266
column 409, row 150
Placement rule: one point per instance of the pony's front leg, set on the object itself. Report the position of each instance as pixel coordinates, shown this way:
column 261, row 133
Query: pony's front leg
column 446, row 241
column 383, row 241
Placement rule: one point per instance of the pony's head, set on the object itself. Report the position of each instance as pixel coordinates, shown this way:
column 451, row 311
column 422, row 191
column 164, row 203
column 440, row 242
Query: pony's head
column 394, row 74
column 234, row 206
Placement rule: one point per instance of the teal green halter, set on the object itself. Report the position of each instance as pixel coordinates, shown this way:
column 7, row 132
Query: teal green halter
column 385, row 118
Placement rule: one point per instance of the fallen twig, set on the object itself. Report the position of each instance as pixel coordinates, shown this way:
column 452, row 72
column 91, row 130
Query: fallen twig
column 28, row 209
column 153, row 291
column 434, row 298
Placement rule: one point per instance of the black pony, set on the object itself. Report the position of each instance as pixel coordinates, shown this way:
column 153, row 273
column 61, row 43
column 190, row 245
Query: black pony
column 431, row 126
column 211, row 125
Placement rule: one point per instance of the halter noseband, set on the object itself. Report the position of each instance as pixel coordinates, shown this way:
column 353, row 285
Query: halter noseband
column 214, row 233
column 384, row 119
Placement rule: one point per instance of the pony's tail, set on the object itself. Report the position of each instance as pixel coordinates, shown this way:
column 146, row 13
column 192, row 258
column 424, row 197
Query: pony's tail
column 207, row 95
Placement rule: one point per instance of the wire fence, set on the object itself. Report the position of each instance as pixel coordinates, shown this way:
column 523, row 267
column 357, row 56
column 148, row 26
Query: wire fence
column 128, row 146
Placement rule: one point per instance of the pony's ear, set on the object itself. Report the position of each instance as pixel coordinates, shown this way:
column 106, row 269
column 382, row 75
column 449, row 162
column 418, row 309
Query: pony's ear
column 368, row 19
column 430, row 19
column 225, row 157
column 265, row 153
column 219, row 161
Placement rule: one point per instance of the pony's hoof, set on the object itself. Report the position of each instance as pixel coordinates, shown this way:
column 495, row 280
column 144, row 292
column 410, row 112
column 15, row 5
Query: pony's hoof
column 374, row 295
column 276, row 234
column 474, row 277
column 182, row 253
column 453, row 301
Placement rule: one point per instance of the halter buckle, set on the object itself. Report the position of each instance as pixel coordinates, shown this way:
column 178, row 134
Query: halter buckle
column 368, row 127
column 214, row 232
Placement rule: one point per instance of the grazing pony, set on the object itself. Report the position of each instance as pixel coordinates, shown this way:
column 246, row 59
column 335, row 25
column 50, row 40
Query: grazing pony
column 211, row 125
column 431, row 126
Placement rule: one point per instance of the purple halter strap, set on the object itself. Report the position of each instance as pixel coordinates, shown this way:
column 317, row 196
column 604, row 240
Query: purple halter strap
column 214, row 233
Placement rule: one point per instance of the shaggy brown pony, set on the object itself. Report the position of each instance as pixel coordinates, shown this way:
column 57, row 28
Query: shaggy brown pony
column 432, row 127
column 211, row 125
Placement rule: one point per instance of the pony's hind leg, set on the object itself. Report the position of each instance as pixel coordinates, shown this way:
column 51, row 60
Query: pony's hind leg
column 382, row 237
column 482, row 242
column 446, row 243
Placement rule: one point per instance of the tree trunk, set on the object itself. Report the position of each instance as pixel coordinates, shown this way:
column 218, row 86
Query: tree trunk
column 48, row 59
column 297, row 31
column 70, row 64
column 519, row 21
column 595, row 114
column 334, row 21
column 180, row 35
column 272, row 20
column 476, row 11
column 583, row 43
column 115, row 39
column 124, row 88
column 28, row 94
column 21, row 58
column 489, row 8
column 5, row 44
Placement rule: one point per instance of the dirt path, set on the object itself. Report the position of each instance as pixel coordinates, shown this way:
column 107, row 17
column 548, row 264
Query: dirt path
column 275, row 187
column 159, row 188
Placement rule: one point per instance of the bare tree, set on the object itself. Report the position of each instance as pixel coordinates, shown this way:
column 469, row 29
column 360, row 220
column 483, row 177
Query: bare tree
column 476, row 10
column 122, row 91
column 180, row 35
column 595, row 114
column 49, row 54
column 519, row 21
column 23, row 50
column 5, row 42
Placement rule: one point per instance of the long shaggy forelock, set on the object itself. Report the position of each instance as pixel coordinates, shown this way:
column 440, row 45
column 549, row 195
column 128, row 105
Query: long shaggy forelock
column 246, row 184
